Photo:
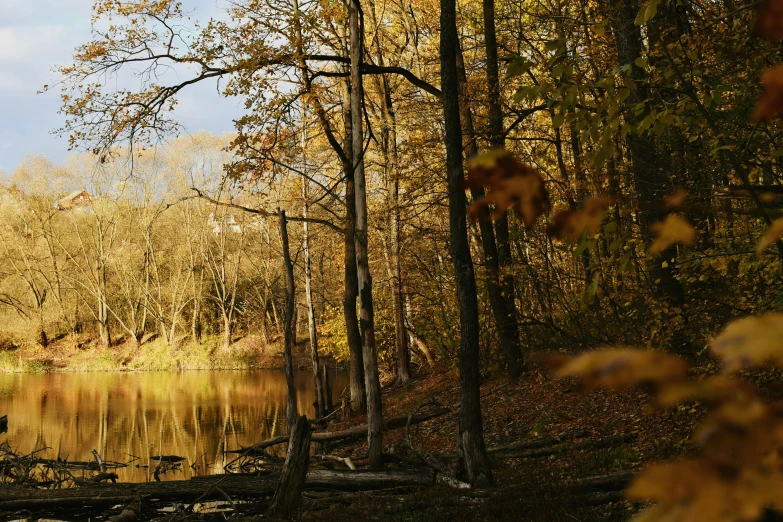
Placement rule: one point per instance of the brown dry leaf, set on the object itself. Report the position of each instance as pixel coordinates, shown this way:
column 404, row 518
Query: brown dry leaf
column 510, row 184
column 620, row 368
column 773, row 233
column 569, row 224
column 751, row 341
column 675, row 199
column 771, row 101
column 673, row 229
column 769, row 20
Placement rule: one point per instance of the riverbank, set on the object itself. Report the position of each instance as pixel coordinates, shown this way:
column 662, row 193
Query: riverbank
column 555, row 436
column 603, row 434
column 80, row 354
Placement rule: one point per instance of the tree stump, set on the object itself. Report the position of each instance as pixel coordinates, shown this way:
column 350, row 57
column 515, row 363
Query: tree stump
column 289, row 490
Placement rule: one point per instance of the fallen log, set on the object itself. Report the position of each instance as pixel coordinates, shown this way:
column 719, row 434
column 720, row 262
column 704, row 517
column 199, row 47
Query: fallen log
column 562, row 448
column 598, row 499
column 445, row 475
column 609, row 482
column 355, row 432
column 538, row 443
column 238, row 486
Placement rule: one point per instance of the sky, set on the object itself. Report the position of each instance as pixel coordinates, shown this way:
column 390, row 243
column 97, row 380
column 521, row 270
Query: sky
column 37, row 34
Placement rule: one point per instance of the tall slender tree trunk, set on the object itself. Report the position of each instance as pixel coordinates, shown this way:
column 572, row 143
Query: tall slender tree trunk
column 320, row 398
column 351, row 292
column 509, row 338
column 473, row 461
column 391, row 171
column 291, row 411
column 367, row 322
column 497, row 140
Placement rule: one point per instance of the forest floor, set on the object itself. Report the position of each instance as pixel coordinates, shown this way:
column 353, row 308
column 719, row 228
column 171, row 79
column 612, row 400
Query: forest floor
column 535, row 489
column 75, row 353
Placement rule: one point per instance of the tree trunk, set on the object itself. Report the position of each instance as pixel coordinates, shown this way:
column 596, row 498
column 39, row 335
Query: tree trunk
column 226, row 331
column 367, row 323
column 351, row 292
column 320, row 398
column 103, row 321
column 509, row 337
column 650, row 183
column 329, row 404
column 391, row 171
column 288, row 494
column 497, row 140
column 474, row 463
column 291, row 413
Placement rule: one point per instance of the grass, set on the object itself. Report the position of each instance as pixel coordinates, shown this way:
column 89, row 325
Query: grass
column 87, row 355
column 12, row 362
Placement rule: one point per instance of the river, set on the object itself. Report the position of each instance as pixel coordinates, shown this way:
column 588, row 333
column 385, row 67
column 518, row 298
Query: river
column 131, row 416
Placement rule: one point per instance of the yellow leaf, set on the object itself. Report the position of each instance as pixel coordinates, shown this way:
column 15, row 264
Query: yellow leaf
column 673, row 229
column 771, row 101
column 751, row 341
column 709, row 390
column 675, row 199
column 510, row 184
column 773, row 233
column 620, row 368
column 769, row 20
column 569, row 224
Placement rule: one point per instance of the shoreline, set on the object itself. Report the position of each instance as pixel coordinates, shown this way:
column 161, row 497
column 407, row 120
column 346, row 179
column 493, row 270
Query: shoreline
column 73, row 355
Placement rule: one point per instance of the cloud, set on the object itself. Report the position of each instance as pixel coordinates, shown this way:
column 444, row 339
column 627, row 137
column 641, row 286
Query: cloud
column 35, row 35
column 21, row 44
column 10, row 82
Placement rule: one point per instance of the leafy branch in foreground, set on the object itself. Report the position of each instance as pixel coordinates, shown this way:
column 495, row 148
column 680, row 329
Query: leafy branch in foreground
column 736, row 472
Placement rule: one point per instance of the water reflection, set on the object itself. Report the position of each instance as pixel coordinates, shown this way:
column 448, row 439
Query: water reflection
column 197, row 415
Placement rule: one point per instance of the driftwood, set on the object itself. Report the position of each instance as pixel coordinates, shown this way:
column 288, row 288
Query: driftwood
column 334, row 458
column 95, row 479
column 167, row 458
column 288, row 494
column 238, row 486
column 129, row 514
column 355, row 432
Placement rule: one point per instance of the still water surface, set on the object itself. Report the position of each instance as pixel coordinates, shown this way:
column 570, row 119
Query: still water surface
column 196, row 415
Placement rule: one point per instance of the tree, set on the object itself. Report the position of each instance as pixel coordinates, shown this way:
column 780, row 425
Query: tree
column 474, row 463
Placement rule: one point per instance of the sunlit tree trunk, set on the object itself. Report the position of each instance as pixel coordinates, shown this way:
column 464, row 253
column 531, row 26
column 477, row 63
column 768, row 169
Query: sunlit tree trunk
column 320, row 399
column 291, row 410
column 367, row 322
column 391, row 171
